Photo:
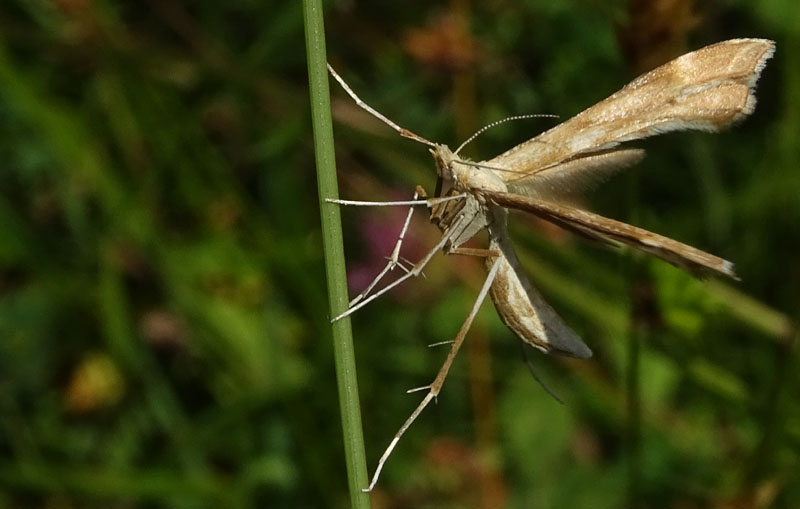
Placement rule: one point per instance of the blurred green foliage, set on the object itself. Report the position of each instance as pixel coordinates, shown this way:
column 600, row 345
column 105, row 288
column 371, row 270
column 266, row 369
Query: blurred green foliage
column 164, row 336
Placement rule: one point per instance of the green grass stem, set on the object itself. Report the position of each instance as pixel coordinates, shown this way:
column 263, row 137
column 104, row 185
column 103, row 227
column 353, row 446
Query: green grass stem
column 334, row 252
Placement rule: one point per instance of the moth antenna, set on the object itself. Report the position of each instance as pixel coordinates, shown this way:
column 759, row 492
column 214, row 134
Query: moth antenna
column 498, row 122
column 372, row 111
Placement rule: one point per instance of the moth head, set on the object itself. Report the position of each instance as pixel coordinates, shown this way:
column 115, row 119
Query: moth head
column 443, row 157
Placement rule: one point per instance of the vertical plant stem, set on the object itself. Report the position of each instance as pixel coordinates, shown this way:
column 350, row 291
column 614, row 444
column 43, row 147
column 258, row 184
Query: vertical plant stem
column 334, row 253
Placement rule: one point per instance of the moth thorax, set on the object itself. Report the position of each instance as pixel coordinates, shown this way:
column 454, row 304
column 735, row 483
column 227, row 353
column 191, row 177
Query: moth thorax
column 473, row 176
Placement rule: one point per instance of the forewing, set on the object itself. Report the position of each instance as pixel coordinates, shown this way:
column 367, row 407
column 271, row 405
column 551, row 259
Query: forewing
column 597, row 227
column 707, row 90
column 570, row 178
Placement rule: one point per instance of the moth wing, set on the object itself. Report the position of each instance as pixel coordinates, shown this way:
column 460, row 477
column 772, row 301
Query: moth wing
column 573, row 177
column 684, row 256
column 523, row 309
column 707, row 90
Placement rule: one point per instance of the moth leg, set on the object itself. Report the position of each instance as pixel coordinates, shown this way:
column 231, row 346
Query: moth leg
column 357, row 203
column 402, row 260
column 393, row 258
column 436, row 386
column 372, row 111
column 414, row 272
column 428, row 202
column 471, row 251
